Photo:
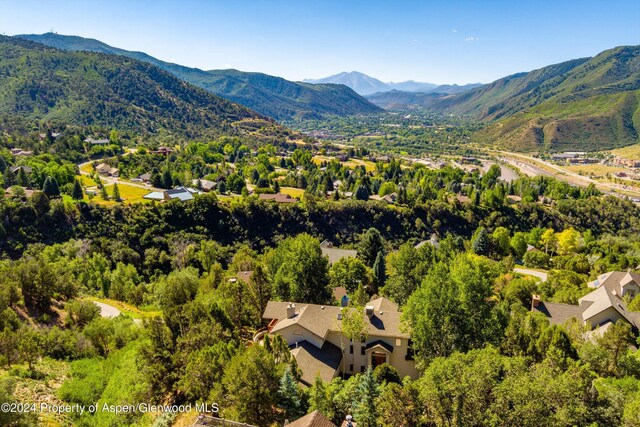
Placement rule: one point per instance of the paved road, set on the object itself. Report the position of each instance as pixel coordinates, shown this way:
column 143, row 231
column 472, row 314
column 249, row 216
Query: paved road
column 528, row 165
column 107, row 310
column 506, row 173
column 110, row 311
column 540, row 274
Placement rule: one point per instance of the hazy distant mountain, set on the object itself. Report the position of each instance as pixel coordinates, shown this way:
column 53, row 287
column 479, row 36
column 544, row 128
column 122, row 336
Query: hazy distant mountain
column 366, row 85
column 401, row 100
column 407, row 100
column 454, row 88
column 412, row 86
column 272, row 96
column 361, row 83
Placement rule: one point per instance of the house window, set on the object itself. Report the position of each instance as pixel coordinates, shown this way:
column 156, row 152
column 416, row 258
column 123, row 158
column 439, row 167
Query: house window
column 351, row 349
column 362, row 368
column 410, row 352
column 398, row 342
column 350, row 368
column 362, row 350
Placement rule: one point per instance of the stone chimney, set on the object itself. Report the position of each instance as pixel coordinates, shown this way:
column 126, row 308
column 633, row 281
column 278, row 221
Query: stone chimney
column 291, row 310
column 368, row 310
column 535, row 300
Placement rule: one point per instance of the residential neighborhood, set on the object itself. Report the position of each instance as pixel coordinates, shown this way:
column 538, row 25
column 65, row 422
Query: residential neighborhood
column 319, row 214
column 601, row 308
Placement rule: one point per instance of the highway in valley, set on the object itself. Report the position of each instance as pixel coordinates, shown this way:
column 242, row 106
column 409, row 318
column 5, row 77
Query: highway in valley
column 531, row 166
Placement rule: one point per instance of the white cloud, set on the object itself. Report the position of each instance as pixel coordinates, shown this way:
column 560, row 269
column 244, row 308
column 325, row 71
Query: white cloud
column 414, row 40
column 472, row 39
column 454, row 31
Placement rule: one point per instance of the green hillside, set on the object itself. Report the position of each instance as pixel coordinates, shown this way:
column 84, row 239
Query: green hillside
column 272, row 96
column 83, row 88
column 589, row 104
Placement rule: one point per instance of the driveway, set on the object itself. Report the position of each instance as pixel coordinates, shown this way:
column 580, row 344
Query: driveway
column 539, row 274
column 107, row 310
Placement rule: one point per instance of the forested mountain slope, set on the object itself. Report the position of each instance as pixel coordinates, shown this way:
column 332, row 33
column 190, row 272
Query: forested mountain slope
column 272, row 96
column 81, row 88
column 589, row 103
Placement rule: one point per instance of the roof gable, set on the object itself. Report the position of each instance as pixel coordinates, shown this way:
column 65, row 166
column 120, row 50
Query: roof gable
column 314, row 419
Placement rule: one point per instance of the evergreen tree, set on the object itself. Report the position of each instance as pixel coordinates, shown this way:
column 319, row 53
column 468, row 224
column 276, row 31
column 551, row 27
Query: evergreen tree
column 29, row 345
column 8, row 178
column 50, row 187
column 336, row 195
column 615, row 342
column 361, row 193
column 379, row 272
column 302, row 181
column 480, row 243
column 166, row 180
column 360, row 297
column 116, row 193
column 370, row 245
column 328, row 184
column 276, row 186
column 319, row 398
column 3, row 164
column 249, row 386
column 402, row 195
column 103, row 193
column 289, row 396
column 23, row 179
column 76, row 194
column 255, row 176
column 156, row 180
column 476, row 198
column 365, row 408
column 222, row 187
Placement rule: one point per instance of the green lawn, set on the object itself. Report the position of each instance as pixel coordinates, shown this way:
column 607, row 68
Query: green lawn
column 292, row 191
column 86, row 180
column 88, row 168
column 128, row 193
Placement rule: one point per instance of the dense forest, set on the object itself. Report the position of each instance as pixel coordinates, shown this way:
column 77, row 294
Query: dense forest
column 44, row 84
column 185, row 334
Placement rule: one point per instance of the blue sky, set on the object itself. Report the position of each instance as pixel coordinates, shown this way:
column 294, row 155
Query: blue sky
column 434, row 41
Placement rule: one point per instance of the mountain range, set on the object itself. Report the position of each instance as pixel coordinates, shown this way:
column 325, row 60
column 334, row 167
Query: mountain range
column 41, row 83
column 588, row 103
column 585, row 104
column 366, row 85
column 268, row 95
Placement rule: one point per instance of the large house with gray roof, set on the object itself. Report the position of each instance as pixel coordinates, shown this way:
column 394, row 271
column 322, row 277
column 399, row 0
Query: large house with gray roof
column 315, row 338
column 180, row 193
column 336, row 254
column 601, row 307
